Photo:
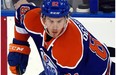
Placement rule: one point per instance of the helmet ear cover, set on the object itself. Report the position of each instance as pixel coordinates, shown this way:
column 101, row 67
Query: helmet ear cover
column 55, row 8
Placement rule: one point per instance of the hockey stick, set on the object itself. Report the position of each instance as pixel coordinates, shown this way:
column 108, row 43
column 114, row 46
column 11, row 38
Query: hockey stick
column 112, row 51
column 18, row 70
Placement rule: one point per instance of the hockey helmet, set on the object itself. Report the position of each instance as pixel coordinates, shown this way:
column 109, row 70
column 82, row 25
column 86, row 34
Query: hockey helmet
column 55, row 8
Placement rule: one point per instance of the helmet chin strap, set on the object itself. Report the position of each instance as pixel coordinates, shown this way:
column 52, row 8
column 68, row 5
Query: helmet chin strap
column 46, row 30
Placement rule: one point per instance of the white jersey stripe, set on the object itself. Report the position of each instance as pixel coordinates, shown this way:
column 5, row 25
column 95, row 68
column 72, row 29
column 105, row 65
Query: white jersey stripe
column 21, row 30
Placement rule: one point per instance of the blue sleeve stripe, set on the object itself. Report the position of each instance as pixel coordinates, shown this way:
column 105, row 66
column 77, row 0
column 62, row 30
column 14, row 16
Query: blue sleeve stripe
column 15, row 41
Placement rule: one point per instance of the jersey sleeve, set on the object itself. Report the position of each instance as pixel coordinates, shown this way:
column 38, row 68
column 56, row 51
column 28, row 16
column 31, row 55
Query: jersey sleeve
column 20, row 34
column 96, row 54
column 98, row 57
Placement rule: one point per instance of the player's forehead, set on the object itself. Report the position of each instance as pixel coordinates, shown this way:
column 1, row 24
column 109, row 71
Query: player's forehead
column 55, row 19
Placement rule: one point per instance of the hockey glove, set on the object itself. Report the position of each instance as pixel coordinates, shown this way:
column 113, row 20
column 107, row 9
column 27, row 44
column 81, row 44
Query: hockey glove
column 18, row 57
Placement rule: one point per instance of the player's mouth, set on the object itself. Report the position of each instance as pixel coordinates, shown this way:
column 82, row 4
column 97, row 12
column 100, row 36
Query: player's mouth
column 54, row 33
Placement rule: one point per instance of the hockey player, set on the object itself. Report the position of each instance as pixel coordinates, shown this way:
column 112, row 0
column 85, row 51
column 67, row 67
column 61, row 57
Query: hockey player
column 64, row 44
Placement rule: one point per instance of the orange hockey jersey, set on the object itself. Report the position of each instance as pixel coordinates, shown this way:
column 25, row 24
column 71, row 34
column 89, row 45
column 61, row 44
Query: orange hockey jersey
column 75, row 52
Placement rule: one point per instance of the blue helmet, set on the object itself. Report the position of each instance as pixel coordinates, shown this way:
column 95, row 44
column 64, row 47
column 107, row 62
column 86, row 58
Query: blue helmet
column 55, row 8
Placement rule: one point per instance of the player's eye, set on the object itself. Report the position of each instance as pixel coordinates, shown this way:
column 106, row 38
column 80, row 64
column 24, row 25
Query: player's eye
column 51, row 21
column 59, row 21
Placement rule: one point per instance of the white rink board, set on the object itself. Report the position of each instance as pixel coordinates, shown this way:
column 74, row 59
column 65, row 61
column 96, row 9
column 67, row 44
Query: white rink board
column 102, row 28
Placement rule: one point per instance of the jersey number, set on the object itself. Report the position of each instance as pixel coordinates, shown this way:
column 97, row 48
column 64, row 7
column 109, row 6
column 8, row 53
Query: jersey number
column 97, row 47
column 23, row 10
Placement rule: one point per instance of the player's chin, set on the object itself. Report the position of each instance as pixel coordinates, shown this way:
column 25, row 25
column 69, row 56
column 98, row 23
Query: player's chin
column 54, row 35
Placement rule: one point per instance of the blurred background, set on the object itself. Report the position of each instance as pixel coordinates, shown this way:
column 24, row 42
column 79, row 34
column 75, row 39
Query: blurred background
column 92, row 6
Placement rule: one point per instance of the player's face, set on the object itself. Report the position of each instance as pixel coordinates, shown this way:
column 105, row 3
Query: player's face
column 55, row 25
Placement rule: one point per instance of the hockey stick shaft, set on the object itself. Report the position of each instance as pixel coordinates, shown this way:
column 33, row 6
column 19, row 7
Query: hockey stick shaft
column 19, row 70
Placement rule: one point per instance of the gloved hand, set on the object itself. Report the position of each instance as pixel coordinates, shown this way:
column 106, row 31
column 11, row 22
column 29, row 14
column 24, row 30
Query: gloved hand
column 18, row 57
